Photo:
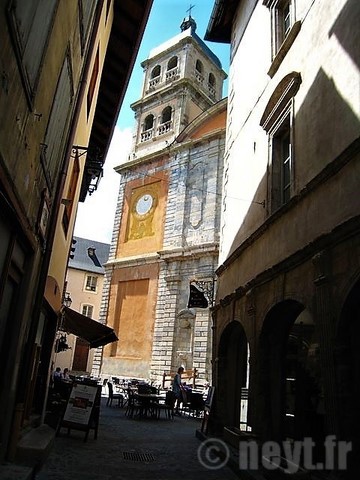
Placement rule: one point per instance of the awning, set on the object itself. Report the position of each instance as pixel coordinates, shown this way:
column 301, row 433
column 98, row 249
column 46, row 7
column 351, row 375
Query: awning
column 90, row 330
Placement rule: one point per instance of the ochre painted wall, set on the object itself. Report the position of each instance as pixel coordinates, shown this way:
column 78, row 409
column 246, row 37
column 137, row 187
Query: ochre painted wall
column 217, row 122
column 133, row 294
column 152, row 237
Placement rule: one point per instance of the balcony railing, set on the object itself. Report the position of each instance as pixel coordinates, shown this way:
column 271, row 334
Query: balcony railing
column 199, row 77
column 147, row 135
column 164, row 127
column 212, row 90
column 154, row 81
column 171, row 74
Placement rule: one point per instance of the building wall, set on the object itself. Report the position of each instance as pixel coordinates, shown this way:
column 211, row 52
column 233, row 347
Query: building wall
column 146, row 289
column 325, row 67
column 40, row 87
column 76, row 283
column 285, row 279
column 132, row 302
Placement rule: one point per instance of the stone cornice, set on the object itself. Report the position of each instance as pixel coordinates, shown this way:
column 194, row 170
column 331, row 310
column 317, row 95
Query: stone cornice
column 183, row 253
column 326, row 241
column 145, row 259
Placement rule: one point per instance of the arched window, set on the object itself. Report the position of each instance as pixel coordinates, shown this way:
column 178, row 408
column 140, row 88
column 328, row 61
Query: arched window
column 156, row 71
column 166, row 115
column 199, row 66
column 212, row 81
column 172, row 63
column 149, row 122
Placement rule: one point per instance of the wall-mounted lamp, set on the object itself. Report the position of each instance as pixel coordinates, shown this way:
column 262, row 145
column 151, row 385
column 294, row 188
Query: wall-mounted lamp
column 93, row 169
column 67, row 300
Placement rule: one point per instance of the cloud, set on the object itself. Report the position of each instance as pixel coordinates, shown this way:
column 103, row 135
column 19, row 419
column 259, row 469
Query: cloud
column 95, row 217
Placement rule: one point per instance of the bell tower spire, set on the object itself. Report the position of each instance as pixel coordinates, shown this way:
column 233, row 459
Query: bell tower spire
column 182, row 79
column 189, row 21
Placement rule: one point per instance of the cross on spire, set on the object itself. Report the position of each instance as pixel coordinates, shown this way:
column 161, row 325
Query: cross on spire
column 189, row 9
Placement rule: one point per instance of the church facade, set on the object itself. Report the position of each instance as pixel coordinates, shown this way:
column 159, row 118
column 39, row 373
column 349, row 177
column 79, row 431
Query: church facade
column 166, row 230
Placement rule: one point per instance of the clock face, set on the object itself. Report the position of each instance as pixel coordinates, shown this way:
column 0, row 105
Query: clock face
column 144, row 204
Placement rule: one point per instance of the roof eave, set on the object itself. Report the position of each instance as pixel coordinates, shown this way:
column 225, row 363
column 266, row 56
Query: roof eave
column 220, row 23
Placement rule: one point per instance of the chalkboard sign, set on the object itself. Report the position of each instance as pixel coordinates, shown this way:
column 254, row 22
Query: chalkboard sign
column 83, row 409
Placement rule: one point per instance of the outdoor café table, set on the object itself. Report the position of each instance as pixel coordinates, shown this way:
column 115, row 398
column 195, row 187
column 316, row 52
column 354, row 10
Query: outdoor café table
column 148, row 403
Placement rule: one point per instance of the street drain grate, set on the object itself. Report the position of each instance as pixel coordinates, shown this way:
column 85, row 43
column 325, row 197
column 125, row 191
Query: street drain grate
column 138, row 457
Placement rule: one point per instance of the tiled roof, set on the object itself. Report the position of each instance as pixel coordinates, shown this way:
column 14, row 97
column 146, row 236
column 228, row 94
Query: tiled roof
column 89, row 255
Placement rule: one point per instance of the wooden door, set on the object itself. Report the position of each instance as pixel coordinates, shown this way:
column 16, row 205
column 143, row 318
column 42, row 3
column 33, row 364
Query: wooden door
column 81, row 355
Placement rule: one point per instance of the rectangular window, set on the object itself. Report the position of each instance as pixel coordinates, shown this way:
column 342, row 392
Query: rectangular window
column 285, row 19
column 281, row 163
column 91, row 283
column 87, row 310
column 56, row 131
column 282, row 20
column 70, row 197
column 86, row 14
column 92, row 83
column 285, row 166
column 30, row 22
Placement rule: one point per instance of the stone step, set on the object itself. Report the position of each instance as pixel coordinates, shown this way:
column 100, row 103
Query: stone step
column 34, row 447
column 15, row 472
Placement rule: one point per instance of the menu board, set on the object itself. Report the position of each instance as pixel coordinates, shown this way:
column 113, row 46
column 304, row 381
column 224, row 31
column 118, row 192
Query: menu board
column 80, row 404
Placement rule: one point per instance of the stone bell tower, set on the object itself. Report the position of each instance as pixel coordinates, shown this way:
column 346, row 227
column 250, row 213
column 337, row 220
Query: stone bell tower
column 183, row 78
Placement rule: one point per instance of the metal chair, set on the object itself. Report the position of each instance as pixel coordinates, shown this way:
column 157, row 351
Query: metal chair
column 168, row 406
column 114, row 396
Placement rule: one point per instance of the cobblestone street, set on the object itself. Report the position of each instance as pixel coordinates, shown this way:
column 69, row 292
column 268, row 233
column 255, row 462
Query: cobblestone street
column 129, row 448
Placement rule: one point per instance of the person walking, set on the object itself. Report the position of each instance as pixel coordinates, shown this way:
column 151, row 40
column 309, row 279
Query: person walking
column 177, row 389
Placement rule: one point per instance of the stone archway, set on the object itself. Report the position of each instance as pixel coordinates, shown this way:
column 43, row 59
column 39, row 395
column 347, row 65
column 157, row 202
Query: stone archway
column 347, row 367
column 290, row 386
column 232, row 374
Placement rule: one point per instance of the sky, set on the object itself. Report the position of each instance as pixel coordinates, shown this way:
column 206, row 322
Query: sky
column 95, row 216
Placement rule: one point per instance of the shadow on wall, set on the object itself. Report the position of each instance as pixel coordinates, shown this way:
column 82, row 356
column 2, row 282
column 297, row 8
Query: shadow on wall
column 348, row 33
column 319, row 142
